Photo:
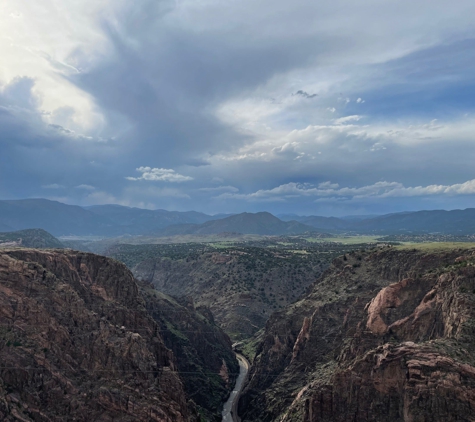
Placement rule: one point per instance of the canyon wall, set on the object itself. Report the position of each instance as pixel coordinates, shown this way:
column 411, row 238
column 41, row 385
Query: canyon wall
column 384, row 335
column 78, row 343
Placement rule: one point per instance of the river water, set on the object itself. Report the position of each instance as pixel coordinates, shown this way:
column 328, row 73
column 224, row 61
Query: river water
column 228, row 406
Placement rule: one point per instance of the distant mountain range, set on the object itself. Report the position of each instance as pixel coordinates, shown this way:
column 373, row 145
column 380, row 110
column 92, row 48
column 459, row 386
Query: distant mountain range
column 56, row 218
column 438, row 221
column 114, row 220
column 140, row 221
column 323, row 223
column 262, row 223
column 103, row 220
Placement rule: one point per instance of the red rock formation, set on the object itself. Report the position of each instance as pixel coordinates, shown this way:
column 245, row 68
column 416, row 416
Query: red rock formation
column 392, row 342
column 302, row 338
column 76, row 343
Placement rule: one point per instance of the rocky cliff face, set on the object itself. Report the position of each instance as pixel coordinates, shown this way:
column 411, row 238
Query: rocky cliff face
column 241, row 287
column 383, row 335
column 77, row 343
column 204, row 355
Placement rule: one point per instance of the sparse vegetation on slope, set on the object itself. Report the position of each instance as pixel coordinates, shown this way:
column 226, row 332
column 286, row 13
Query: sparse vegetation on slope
column 243, row 284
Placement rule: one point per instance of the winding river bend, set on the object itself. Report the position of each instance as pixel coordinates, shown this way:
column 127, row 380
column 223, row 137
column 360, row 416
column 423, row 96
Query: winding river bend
column 230, row 407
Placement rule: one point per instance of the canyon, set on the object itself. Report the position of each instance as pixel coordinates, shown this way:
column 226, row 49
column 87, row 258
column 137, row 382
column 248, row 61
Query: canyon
column 385, row 333
column 242, row 283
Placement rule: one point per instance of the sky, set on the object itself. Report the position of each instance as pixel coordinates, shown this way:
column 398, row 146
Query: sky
column 335, row 107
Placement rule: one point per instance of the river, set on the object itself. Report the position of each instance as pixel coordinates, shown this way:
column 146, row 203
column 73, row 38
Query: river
column 230, row 407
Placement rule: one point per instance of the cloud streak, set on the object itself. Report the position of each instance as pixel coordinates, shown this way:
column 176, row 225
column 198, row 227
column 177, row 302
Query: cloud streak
column 159, row 175
column 332, row 191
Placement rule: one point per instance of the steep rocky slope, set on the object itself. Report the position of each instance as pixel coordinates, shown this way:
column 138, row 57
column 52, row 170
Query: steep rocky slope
column 383, row 335
column 204, row 355
column 77, row 343
column 242, row 286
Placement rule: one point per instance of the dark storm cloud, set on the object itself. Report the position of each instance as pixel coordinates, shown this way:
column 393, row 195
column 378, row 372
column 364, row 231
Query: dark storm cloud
column 305, row 94
column 165, row 84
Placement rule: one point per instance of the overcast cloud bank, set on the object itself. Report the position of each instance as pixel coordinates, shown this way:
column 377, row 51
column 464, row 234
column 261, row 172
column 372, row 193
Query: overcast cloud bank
column 239, row 106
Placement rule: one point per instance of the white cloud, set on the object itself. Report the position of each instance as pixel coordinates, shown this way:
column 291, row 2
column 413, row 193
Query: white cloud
column 280, row 193
column 352, row 145
column 290, row 150
column 47, row 42
column 160, row 175
column 332, row 191
column 360, row 101
column 377, row 146
column 466, row 188
column 347, row 119
column 328, row 185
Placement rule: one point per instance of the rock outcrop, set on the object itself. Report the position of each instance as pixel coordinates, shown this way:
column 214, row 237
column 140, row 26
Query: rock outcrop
column 77, row 343
column 383, row 335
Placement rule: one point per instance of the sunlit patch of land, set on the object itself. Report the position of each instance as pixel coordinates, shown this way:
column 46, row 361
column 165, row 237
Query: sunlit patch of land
column 436, row 246
column 346, row 240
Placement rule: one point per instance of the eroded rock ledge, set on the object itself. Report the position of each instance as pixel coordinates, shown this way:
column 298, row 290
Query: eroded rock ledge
column 383, row 335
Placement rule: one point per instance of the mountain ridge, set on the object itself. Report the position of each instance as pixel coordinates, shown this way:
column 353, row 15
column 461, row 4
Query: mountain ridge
column 262, row 223
column 116, row 220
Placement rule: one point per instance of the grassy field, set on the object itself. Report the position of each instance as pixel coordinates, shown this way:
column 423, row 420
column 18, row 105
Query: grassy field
column 346, row 240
